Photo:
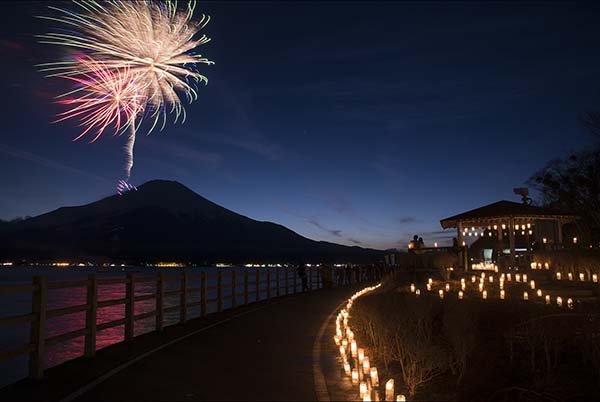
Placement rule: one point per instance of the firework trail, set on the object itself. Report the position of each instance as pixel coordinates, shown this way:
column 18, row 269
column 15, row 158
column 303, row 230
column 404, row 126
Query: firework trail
column 152, row 41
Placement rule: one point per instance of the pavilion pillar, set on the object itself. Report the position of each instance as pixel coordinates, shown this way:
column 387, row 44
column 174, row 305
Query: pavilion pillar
column 511, row 239
column 559, row 235
column 459, row 236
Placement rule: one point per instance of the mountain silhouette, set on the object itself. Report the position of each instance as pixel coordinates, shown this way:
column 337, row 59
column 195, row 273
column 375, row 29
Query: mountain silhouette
column 163, row 220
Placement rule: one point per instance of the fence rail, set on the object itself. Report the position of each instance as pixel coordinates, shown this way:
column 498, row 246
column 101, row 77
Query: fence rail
column 278, row 282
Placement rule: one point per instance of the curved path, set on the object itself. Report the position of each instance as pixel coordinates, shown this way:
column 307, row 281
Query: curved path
column 264, row 351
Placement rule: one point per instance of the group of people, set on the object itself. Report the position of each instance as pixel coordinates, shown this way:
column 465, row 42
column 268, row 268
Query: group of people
column 416, row 243
column 341, row 275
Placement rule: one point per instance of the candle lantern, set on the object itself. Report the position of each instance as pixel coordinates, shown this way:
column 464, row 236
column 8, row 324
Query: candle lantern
column 389, row 390
column 473, row 279
column 548, row 301
column 366, row 366
column 429, row 287
column 460, row 295
column 363, row 389
column 430, row 281
column 447, row 287
column 558, row 276
column 595, row 278
column 570, row 275
column 441, row 293
column 374, row 377
column 366, row 398
column 361, row 355
column 502, row 294
column 412, row 288
column 525, row 296
column 546, row 265
column 581, row 276
column 484, row 294
column 532, row 284
column 491, row 279
column 353, row 349
column 418, row 292
column 559, row 301
column 400, row 398
column 343, row 351
column 533, row 265
column 570, row 303
column 481, row 287
column 347, row 369
column 539, row 292
column 524, row 278
column 508, row 277
column 518, row 277
column 354, row 376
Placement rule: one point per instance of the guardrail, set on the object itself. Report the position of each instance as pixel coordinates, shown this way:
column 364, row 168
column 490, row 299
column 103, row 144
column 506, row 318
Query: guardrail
column 282, row 284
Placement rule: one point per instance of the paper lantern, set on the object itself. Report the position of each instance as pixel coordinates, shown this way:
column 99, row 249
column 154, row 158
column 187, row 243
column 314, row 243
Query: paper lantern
column 532, row 284
column 539, row 292
column 463, row 286
column 502, row 294
column 473, row 279
column 400, row 398
column 524, row 278
column 508, row 277
column 546, row 265
column 525, row 296
column 581, row 276
column 491, row 278
column 389, row 390
column 347, row 369
column 518, row 277
column 548, row 301
column 484, row 294
column 412, row 288
column 429, row 287
column 559, row 301
column 353, row 349
column 366, row 365
column 354, row 376
column 361, row 355
column 558, row 276
column 374, row 377
column 570, row 275
column 418, row 292
column 447, row 287
column 441, row 293
column 595, row 278
column 460, row 295
column 363, row 389
column 570, row 303
column 430, row 281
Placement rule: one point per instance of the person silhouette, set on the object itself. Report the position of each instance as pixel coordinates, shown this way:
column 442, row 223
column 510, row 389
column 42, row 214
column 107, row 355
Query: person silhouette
column 302, row 274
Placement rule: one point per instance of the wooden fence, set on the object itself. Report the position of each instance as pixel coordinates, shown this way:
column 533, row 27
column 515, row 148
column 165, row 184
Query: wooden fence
column 278, row 282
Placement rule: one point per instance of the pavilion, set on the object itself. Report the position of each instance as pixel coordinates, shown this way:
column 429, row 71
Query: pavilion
column 524, row 225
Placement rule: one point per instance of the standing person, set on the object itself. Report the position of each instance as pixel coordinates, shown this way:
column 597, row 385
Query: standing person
column 421, row 243
column 302, row 274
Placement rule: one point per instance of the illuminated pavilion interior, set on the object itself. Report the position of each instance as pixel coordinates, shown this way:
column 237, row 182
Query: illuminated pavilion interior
column 507, row 232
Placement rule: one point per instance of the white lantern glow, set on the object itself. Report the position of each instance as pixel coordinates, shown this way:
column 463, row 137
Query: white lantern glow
column 347, row 369
column 548, row 301
column 460, row 295
column 400, row 398
column 473, row 279
column 581, row 276
column 559, row 301
column 570, row 304
column 374, row 377
column 354, row 376
column 418, row 292
column 389, row 390
column 353, row 349
column 595, row 278
column 532, row 284
column 429, row 287
column 558, row 276
column 525, row 296
column 441, row 293
column 502, row 294
column 363, row 389
column 570, row 275
column 484, row 294
column 508, row 277
column 412, row 288
column 524, row 278
column 447, row 287
column 539, row 292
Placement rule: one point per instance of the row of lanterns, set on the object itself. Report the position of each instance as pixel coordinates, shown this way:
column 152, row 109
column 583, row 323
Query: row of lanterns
column 484, row 293
column 355, row 362
column 524, row 228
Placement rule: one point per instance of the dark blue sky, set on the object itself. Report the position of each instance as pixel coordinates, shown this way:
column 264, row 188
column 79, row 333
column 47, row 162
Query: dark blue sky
column 358, row 123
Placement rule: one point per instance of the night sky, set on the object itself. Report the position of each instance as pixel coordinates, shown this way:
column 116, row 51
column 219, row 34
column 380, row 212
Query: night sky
column 358, row 123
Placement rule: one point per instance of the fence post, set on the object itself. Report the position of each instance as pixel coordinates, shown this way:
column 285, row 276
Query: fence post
column 160, row 293
column 183, row 297
column 245, row 287
column 90, row 316
column 233, row 289
column 219, row 291
column 268, row 284
column 287, row 281
column 295, row 282
column 278, row 282
column 310, row 278
column 38, row 328
column 203, row 294
column 257, row 285
column 319, row 278
column 129, row 307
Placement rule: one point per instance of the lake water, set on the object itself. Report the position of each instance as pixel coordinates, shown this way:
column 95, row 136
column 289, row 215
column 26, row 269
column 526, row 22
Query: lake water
column 20, row 303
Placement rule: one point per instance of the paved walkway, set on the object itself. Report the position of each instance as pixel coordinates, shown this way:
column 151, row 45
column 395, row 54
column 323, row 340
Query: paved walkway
column 263, row 351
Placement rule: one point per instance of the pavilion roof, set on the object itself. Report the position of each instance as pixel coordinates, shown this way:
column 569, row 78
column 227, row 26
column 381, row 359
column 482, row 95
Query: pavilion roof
column 504, row 210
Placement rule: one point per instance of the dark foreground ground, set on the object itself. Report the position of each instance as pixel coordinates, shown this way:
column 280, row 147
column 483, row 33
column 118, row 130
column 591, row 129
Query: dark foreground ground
column 265, row 351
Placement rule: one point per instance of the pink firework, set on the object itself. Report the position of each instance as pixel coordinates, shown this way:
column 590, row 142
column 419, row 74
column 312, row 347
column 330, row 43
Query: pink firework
column 104, row 98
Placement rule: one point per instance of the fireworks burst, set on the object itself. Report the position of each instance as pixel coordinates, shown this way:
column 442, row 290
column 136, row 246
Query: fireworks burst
column 146, row 47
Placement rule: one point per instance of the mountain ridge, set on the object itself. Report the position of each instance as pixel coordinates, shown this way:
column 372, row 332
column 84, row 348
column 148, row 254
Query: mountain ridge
column 163, row 220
